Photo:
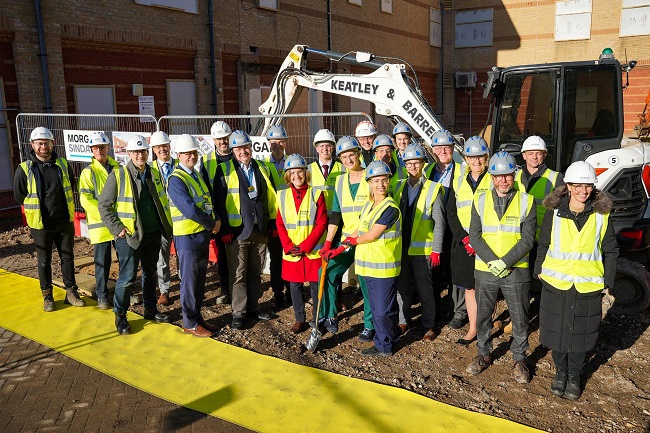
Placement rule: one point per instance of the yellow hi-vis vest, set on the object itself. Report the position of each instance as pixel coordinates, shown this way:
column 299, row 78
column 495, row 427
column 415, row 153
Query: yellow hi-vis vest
column 465, row 196
column 200, row 195
column 350, row 208
column 399, row 175
column 542, row 187
column 327, row 186
column 381, row 258
column 300, row 224
column 502, row 235
column 575, row 257
column 210, row 162
column 32, row 203
column 459, row 170
column 125, row 206
column 277, row 176
column 423, row 223
column 155, row 167
column 233, row 201
column 91, row 183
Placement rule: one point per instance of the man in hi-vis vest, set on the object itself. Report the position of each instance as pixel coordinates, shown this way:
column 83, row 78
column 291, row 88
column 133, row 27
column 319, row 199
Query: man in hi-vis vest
column 245, row 201
column 134, row 208
column 43, row 185
column 502, row 232
column 193, row 223
column 91, row 184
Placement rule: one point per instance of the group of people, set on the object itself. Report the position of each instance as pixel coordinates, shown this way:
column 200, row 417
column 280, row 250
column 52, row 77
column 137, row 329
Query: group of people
column 372, row 200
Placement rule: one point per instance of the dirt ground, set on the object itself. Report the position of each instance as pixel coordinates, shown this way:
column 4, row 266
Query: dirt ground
column 616, row 397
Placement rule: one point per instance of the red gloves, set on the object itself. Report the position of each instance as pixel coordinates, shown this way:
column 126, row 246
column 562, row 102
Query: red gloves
column 327, row 246
column 351, row 241
column 227, row 239
column 296, row 251
column 468, row 246
column 333, row 253
column 435, row 259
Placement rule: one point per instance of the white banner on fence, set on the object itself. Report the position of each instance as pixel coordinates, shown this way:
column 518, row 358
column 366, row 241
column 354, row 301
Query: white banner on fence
column 120, row 138
column 76, row 145
column 261, row 147
column 206, row 144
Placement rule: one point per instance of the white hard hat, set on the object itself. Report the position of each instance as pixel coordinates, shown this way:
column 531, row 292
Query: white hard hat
column 580, row 172
column 414, row 151
column 186, row 143
column 346, row 143
column 442, row 138
column 502, row 163
column 137, row 142
column 382, row 140
column 365, row 128
column 41, row 133
column 324, row 135
column 276, row 132
column 402, row 128
column 98, row 139
column 159, row 138
column 534, row 142
column 220, row 129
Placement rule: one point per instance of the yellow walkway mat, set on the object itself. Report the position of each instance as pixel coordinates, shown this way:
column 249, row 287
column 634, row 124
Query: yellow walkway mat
column 255, row 391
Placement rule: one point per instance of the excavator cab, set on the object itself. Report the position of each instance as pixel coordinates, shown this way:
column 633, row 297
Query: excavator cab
column 576, row 107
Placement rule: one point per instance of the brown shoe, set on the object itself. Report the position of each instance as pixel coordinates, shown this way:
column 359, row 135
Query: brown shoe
column 403, row 328
column 479, row 364
column 521, row 372
column 430, row 335
column 298, row 327
column 199, row 331
column 163, row 299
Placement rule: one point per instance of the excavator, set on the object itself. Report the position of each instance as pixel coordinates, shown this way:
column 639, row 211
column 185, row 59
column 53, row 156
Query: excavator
column 576, row 107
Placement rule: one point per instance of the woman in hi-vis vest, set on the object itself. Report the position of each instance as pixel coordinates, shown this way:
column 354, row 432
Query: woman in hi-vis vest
column 378, row 257
column 576, row 260
column 301, row 223
column 473, row 181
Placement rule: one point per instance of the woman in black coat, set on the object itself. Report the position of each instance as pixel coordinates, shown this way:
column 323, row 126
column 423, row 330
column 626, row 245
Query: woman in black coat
column 576, row 260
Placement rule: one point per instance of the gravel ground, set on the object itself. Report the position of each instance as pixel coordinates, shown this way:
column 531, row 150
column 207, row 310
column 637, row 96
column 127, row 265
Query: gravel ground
column 616, row 397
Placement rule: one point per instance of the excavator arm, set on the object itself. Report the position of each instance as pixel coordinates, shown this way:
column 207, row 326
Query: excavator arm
column 387, row 87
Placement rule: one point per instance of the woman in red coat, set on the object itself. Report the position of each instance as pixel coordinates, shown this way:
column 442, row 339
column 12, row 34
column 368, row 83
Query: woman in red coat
column 301, row 223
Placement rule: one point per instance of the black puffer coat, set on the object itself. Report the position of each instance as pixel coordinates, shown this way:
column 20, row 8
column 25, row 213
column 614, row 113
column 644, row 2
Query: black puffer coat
column 568, row 320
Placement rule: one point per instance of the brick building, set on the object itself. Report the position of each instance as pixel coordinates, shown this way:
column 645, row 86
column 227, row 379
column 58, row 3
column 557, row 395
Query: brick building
column 95, row 51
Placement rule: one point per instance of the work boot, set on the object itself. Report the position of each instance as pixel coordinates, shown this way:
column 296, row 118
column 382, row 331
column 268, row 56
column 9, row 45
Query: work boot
column 153, row 314
column 559, row 383
column 479, row 364
column 121, row 324
column 72, row 298
column 102, row 303
column 522, row 375
column 572, row 390
column 48, row 301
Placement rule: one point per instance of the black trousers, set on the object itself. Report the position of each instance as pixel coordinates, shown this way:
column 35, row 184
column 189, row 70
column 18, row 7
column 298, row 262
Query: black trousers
column 275, row 267
column 62, row 236
column 569, row 361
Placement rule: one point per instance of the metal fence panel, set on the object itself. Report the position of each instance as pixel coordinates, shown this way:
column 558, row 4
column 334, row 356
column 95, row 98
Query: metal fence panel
column 109, row 123
column 300, row 127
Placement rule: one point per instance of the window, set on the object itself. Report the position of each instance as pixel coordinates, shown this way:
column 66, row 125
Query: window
column 474, row 28
column 6, row 166
column 356, row 2
column 181, row 101
column 268, row 4
column 572, row 20
column 635, row 18
column 386, row 6
column 94, row 99
column 435, row 28
column 190, row 6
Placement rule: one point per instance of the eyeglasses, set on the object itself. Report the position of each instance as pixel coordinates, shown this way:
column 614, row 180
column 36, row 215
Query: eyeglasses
column 581, row 186
column 380, row 181
column 413, row 164
column 140, row 152
column 504, row 176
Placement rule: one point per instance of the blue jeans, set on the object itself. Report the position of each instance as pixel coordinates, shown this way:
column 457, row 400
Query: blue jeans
column 102, row 267
column 147, row 256
column 516, row 296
